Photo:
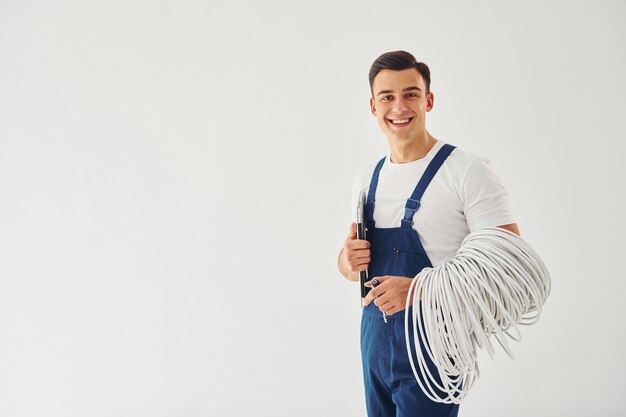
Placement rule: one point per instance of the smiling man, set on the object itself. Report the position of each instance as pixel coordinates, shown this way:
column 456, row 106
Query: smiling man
column 423, row 198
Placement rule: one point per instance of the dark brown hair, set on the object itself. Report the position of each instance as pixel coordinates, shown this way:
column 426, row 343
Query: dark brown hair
column 398, row 61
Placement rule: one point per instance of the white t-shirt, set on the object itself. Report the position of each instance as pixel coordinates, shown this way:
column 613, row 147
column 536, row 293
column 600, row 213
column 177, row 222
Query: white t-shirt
column 465, row 195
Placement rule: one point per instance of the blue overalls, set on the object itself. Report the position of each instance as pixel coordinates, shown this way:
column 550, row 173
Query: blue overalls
column 390, row 386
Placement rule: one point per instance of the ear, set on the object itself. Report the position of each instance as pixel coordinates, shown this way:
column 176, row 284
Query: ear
column 430, row 101
column 372, row 106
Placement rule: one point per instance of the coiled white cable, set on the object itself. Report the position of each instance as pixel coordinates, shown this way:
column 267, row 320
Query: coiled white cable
column 494, row 282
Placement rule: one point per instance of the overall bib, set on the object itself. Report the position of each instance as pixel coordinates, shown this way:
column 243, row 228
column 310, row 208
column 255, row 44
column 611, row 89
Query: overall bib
column 390, row 386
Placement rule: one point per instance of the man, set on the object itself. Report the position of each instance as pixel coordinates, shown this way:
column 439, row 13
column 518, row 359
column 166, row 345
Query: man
column 423, row 198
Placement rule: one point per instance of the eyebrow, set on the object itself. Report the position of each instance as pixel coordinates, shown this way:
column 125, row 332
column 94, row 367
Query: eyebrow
column 404, row 90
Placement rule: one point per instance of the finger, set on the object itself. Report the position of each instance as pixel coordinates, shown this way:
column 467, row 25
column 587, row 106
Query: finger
column 382, row 285
column 357, row 253
column 381, row 300
column 360, row 267
column 368, row 284
column 382, row 296
column 393, row 310
column 371, row 295
column 352, row 231
column 360, row 257
column 360, row 264
column 358, row 244
column 384, row 278
column 397, row 307
column 368, row 299
column 382, row 303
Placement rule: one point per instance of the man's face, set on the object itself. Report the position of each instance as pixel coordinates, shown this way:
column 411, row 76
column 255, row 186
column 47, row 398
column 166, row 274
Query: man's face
column 400, row 103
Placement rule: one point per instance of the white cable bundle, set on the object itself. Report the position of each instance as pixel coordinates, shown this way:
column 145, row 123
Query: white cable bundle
column 494, row 282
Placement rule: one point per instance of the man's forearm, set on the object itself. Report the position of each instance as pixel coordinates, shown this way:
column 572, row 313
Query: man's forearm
column 343, row 269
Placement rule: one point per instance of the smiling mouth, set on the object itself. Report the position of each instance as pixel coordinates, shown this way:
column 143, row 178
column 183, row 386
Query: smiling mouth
column 400, row 122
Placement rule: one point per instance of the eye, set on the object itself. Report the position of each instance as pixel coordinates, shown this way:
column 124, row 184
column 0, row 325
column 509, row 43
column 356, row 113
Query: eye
column 411, row 95
column 386, row 98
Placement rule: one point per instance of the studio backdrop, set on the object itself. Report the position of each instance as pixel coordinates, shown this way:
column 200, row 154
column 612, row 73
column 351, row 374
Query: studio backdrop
column 176, row 179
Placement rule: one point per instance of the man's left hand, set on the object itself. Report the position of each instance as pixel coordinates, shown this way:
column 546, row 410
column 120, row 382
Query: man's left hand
column 390, row 295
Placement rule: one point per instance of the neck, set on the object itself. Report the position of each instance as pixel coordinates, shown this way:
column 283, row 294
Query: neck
column 409, row 151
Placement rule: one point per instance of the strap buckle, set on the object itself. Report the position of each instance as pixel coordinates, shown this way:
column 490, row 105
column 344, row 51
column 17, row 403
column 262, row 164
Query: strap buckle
column 412, row 204
column 410, row 208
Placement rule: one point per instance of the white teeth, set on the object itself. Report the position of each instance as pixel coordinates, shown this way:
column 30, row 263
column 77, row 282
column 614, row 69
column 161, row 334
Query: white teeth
column 400, row 121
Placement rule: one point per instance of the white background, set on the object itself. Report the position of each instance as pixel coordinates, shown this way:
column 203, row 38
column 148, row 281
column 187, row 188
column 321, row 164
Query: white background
column 175, row 183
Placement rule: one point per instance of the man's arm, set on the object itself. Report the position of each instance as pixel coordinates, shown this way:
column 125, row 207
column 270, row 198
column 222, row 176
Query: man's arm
column 511, row 228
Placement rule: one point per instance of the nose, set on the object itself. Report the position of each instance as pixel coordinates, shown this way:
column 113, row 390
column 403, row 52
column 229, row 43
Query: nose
column 399, row 106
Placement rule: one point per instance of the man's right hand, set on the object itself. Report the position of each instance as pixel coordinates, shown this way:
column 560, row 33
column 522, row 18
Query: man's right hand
column 355, row 252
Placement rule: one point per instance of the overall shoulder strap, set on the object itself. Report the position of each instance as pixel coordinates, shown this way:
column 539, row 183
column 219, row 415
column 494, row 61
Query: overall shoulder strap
column 413, row 203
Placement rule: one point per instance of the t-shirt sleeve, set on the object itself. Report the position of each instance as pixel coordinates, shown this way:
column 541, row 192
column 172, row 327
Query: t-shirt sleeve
column 485, row 199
